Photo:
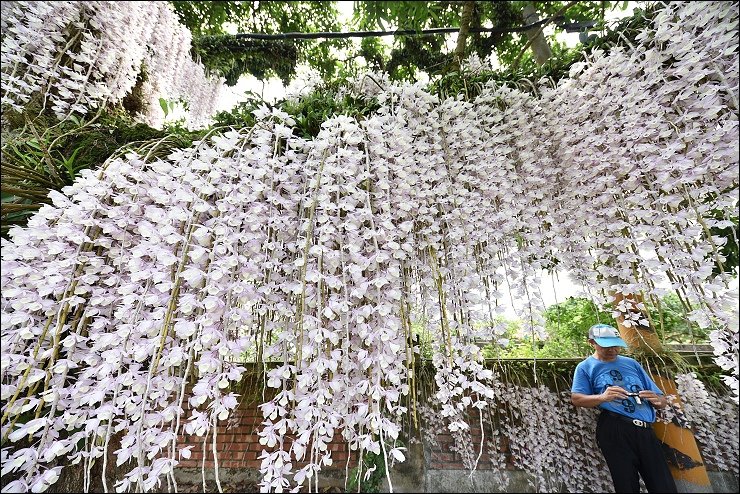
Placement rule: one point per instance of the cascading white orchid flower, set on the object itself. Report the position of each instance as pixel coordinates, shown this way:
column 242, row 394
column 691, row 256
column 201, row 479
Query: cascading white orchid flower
column 709, row 415
column 80, row 56
column 318, row 256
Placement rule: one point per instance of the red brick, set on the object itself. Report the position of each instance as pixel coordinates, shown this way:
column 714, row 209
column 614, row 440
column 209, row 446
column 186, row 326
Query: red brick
column 237, row 443
column 447, row 457
column 243, row 442
column 231, row 447
column 340, row 456
column 226, row 451
column 250, row 455
column 244, row 430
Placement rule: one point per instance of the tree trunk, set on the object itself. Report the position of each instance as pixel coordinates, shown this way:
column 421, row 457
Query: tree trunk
column 465, row 18
column 644, row 339
column 538, row 43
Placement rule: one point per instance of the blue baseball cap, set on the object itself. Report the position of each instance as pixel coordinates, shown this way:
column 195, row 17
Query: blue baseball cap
column 605, row 335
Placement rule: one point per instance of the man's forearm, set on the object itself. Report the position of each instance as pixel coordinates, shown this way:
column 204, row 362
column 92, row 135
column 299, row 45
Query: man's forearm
column 586, row 401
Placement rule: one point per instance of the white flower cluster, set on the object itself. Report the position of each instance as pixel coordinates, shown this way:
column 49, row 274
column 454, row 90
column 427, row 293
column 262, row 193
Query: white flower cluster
column 543, row 434
column 462, row 383
column 76, row 57
column 473, row 65
column 536, row 429
column 370, row 84
column 726, row 341
column 550, row 439
column 713, row 419
column 320, row 256
column 100, row 316
column 341, row 297
column 303, row 85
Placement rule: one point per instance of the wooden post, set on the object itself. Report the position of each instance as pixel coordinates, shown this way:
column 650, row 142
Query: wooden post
column 679, row 444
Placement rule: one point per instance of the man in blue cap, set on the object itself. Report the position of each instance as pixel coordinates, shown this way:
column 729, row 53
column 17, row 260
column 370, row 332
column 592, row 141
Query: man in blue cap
column 627, row 397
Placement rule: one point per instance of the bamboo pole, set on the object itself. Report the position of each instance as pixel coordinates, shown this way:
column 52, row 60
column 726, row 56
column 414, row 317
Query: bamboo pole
column 682, row 452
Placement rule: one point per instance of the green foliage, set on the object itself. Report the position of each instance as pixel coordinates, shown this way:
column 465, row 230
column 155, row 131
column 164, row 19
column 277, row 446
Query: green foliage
column 231, row 57
column 241, row 115
column 712, row 376
column 567, row 326
column 44, row 155
column 309, row 112
column 433, row 54
column 169, row 106
column 508, row 339
column 423, row 338
column 371, row 49
column 312, row 111
column 417, row 53
column 556, row 68
column 670, row 320
column 404, row 14
column 371, row 483
column 730, row 250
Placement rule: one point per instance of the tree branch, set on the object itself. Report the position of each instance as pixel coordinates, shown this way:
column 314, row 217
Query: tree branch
column 518, row 58
column 397, row 32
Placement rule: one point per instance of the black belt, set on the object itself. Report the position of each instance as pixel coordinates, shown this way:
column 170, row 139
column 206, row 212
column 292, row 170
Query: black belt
column 636, row 422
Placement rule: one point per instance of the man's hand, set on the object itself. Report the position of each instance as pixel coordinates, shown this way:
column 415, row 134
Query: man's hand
column 612, row 393
column 658, row 401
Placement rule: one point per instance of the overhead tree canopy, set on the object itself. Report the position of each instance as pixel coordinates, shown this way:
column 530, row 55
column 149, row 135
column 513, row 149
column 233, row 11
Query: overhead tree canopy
column 230, row 58
column 434, row 54
column 431, row 54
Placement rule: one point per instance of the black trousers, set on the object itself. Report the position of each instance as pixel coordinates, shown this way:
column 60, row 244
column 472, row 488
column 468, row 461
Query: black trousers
column 630, row 450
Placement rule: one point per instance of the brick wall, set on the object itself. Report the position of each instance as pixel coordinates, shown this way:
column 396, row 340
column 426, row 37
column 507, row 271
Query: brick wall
column 441, row 454
column 238, row 446
column 237, row 442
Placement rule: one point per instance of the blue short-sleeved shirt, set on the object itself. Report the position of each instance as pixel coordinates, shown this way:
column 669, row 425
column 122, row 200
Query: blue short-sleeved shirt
column 592, row 376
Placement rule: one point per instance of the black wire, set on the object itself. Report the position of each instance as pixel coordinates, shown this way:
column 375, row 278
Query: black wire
column 397, row 32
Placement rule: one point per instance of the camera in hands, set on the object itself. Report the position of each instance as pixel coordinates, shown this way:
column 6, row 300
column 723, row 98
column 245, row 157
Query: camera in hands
column 636, row 396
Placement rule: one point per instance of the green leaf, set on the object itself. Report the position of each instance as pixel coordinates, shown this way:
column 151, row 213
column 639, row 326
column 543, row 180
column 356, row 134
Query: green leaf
column 165, row 106
column 34, row 144
column 69, row 163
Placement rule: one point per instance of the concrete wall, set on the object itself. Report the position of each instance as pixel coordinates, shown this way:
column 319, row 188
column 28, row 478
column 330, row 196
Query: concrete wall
column 409, row 479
